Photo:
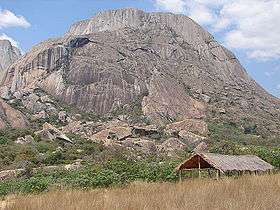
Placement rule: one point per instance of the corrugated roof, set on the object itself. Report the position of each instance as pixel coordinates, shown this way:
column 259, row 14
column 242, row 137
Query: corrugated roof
column 228, row 162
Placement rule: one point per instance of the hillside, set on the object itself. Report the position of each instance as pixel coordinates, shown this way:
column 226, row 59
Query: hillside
column 169, row 64
column 128, row 84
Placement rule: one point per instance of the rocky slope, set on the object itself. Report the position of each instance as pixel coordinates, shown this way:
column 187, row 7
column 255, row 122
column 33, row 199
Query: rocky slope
column 8, row 54
column 170, row 64
column 8, row 115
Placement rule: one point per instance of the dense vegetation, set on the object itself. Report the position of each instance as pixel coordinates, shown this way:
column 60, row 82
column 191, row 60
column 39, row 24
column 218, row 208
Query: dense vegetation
column 110, row 173
column 230, row 138
column 106, row 166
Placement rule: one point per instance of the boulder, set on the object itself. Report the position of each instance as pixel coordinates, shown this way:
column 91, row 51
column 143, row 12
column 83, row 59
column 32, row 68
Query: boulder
column 206, row 98
column 50, row 109
column 84, row 129
column 25, row 140
column 190, row 138
column 11, row 117
column 50, row 133
column 172, row 145
column 201, row 147
column 5, row 93
column 10, row 174
column 32, row 103
column 140, row 145
column 40, row 115
column 118, row 133
column 62, row 116
column 149, row 131
column 222, row 111
column 74, row 166
column 46, row 99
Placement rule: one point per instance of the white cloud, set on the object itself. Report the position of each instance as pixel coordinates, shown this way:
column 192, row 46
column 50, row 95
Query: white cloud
column 13, row 42
column 256, row 27
column 278, row 87
column 9, row 19
column 202, row 14
column 176, row 6
column 251, row 25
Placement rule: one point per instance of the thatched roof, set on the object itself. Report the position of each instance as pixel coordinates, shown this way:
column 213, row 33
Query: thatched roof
column 226, row 162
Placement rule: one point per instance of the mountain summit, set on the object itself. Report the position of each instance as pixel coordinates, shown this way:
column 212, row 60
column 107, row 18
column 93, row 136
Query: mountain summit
column 169, row 64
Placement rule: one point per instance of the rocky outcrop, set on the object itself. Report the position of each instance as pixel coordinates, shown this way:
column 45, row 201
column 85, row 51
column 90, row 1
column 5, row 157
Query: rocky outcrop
column 25, row 140
column 51, row 133
column 140, row 145
column 8, row 55
column 10, row 174
column 189, row 125
column 114, row 133
column 201, row 147
column 168, row 62
column 10, row 117
column 191, row 138
column 172, row 145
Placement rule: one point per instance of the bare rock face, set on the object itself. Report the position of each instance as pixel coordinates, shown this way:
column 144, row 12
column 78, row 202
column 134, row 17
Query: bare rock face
column 172, row 64
column 8, row 55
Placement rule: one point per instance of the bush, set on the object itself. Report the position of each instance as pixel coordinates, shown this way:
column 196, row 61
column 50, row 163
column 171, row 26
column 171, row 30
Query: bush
column 111, row 173
column 34, row 185
column 8, row 136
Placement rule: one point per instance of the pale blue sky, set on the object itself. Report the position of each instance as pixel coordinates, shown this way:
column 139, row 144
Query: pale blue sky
column 52, row 18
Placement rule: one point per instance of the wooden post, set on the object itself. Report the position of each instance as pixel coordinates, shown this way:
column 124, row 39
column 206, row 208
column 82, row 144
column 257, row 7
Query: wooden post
column 218, row 174
column 180, row 175
column 199, row 175
column 209, row 173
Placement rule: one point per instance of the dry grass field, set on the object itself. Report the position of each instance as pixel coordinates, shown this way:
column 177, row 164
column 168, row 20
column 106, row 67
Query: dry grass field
column 248, row 192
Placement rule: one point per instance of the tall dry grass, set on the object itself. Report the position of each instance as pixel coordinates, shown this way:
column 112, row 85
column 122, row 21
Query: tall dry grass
column 249, row 192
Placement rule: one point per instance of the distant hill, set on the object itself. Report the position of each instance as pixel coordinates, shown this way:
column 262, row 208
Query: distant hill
column 8, row 54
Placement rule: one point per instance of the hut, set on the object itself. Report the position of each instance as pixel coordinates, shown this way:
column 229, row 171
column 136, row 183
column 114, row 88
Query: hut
column 225, row 163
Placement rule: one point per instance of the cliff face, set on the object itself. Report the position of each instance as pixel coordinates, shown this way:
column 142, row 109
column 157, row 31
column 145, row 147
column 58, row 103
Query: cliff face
column 8, row 54
column 8, row 115
column 172, row 64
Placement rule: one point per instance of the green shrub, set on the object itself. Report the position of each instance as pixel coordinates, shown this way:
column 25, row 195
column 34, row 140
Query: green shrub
column 34, row 185
column 111, row 173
